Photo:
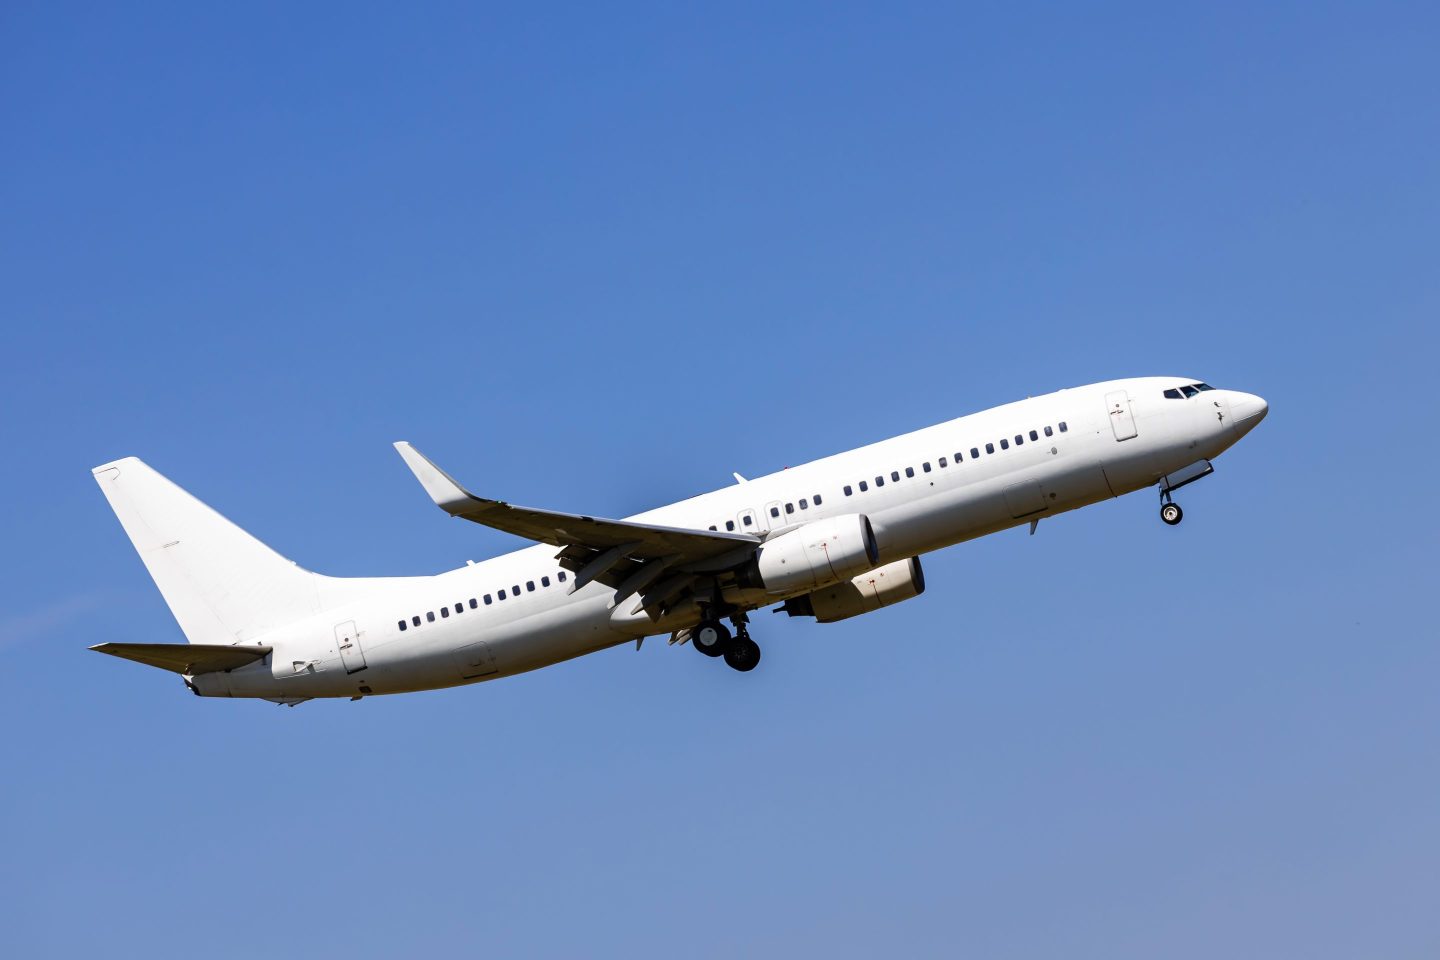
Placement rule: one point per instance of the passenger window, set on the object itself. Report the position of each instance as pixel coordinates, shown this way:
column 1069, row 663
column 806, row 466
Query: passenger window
column 1049, row 432
column 943, row 463
column 789, row 508
column 1172, row 394
column 974, row 453
column 473, row 604
column 561, row 576
column 444, row 613
column 849, row 492
column 817, row 499
column 864, row 486
column 713, row 527
column 803, row 504
column 989, row 448
column 1019, row 439
column 879, row 481
column 1034, row 435
column 909, row 471
column 925, row 466
column 430, row 617
column 500, row 593
column 1004, row 444
column 895, row 475
column 415, row 621
column 1063, row 427
column 544, row 581
column 530, row 585
column 729, row 524
column 775, row 511
column 515, row 590
column 747, row 520
column 487, row 599
column 460, row 607
column 403, row 626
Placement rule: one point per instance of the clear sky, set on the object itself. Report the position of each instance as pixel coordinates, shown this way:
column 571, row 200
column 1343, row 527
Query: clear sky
column 595, row 260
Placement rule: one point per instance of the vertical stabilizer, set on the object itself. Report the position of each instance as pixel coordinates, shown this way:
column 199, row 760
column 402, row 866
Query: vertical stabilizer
column 222, row 585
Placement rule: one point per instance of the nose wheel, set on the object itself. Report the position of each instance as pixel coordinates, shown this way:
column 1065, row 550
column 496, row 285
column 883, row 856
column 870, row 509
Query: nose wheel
column 1170, row 511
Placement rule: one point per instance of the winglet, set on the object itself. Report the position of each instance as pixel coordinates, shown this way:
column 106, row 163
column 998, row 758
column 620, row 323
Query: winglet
column 447, row 494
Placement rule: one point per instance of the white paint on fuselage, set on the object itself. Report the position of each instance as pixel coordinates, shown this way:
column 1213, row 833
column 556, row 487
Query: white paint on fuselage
column 915, row 515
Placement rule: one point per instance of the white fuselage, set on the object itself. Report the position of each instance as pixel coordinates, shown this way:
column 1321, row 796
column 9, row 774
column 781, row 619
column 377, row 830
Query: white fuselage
column 924, row 510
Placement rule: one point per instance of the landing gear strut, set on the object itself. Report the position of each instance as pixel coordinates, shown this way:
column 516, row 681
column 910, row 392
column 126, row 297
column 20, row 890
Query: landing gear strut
column 1170, row 511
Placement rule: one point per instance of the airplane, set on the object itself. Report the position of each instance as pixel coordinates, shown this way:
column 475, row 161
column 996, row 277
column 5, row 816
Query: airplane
column 831, row 539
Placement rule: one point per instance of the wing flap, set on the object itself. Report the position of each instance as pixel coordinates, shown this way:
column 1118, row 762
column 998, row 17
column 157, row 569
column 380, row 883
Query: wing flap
column 185, row 658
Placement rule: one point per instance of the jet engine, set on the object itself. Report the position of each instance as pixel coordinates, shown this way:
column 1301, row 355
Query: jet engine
column 877, row 588
column 818, row 553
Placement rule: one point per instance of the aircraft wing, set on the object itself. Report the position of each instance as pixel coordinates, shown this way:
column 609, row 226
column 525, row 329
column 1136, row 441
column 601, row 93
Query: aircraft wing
column 621, row 553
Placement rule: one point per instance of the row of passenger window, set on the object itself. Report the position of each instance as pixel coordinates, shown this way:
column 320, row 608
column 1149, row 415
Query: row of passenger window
column 487, row 599
column 747, row 519
column 959, row 458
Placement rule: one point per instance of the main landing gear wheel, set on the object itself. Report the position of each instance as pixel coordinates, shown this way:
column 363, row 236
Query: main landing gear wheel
column 710, row 637
column 1171, row 513
column 743, row 654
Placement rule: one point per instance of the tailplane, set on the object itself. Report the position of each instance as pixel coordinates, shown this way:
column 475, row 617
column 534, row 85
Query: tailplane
column 222, row 585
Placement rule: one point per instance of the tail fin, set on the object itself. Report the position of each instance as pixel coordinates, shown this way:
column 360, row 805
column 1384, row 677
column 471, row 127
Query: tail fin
column 222, row 585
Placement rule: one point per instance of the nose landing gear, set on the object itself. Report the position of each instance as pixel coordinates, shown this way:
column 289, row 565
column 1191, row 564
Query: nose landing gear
column 712, row 638
column 1170, row 511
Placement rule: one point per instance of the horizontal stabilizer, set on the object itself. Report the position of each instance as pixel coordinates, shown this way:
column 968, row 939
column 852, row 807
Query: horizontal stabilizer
column 187, row 658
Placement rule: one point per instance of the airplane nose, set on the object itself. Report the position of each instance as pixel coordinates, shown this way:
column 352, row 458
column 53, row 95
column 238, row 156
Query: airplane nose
column 1246, row 410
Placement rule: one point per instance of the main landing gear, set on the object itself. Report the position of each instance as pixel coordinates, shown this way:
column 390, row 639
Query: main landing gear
column 1170, row 511
column 712, row 638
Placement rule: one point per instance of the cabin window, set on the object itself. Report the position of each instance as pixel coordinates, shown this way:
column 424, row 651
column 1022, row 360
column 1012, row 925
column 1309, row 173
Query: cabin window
column 430, row 617
column 404, row 626
column 460, row 607
column 864, row 486
column 1019, row 439
column 444, row 612
column 487, row 599
column 561, row 576
column 909, row 471
column 943, row 463
column 1049, row 432
column 729, row 524
column 895, row 475
column 473, row 604
column 530, row 585
column 974, row 453
column 500, row 593
column 1063, row 426
column 1004, row 444
column 925, row 466
column 879, row 481
column 789, row 508
column 989, row 448
column 747, row 520
column 804, row 504
column 849, row 491
column 544, row 581
column 415, row 621
column 817, row 499
column 1034, row 435
column 713, row 527
column 774, row 511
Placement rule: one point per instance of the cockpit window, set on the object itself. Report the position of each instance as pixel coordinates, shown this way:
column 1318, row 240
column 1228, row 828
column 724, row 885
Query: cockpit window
column 1202, row 387
column 1188, row 390
column 1172, row 394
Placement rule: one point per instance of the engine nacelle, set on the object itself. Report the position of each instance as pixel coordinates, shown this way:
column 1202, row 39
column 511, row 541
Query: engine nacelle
column 878, row 588
column 826, row 551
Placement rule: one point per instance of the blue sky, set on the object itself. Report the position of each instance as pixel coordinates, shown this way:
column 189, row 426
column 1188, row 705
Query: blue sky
column 598, row 259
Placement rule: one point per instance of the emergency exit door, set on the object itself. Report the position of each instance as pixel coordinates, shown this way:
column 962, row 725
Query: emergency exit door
column 347, row 639
column 1122, row 421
